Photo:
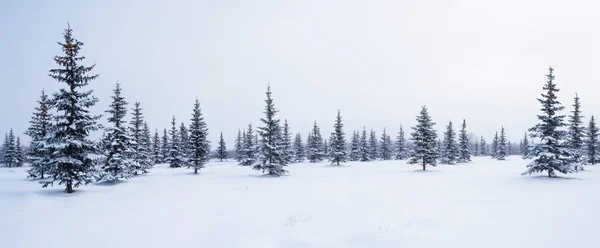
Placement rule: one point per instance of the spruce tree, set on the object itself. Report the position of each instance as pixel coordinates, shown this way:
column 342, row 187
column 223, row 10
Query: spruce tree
column 525, row 146
column 576, row 135
column 197, row 144
column 117, row 144
column 141, row 153
column 483, row 146
column 450, row 150
column 424, row 138
column 502, row 150
column 6, row 150
column 41, row 121
column 156, row 149
column 373, row 146
column 509, row 148
column 591, row 142
column 238, row 146
column 184, row 145
column 338, row 152
column 147, row 143
column 20, row 159
column 271, row 159
column 249, row 154
column 325, row 150
column 401, row 146
column 314, row 146
column 476, row 150
column 165, row 147
column 494, row 153
column 364, row 147
column 298, row 149
column 72, row 160
column 464, row 152
column 355, row 154
column 222, row 149
column 286, row 144
column 551, row 154
column 174, row 158
column 386, row 146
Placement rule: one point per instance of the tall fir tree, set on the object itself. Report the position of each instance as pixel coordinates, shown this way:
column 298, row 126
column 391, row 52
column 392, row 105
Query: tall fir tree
column 141, row 154
column 576, row 135
column 314, row 146
column 450, row 151
column 174, row 158
column 3, row 150
column 249, row 153
column 338, row 152
column 355, row 154
column 40, row 124
column 147, row 142
column 494, row 152
column 525, row 147
column 72, row 161
column 286, row 143
column 238, row 146
column 551, row 154
column 222, row 149
column 463, row 140
column 19, row 157
column 591, row 141
column 364, row 147
column 483, row 147
column 165, row 148
column 117, row 143
column 156, row 148
column 401, row 146
column 386, row 146
column 502, row 150
column 298, row 149
column 373, row 146
column 198, row 145
column 424, row 138
column 271, row 159
column 184, row 145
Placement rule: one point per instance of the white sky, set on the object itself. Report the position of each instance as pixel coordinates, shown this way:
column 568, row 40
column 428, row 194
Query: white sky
column 377, row 61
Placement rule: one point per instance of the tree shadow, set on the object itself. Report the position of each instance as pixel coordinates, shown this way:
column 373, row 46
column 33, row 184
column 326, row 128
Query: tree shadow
column 56, row 192
column 110, row 183
column 540, row 177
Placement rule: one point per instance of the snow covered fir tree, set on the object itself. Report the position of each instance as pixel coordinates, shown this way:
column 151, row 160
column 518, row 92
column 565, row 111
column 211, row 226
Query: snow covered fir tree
column 271, row 158
column 40, row 124
column 450, row 152
column 198, row 143
column 140, row 142
column 401, row 146
column 355, row 147
column 424, row 138
column 373, row 146
column 576, row 134
column 314, row 145
column 338, row 152
column 501, row 149
column 298, row 153
column 222, row 149
column 591, row 142
column 72, row 161
column 250, row 147
column 238, row 146
column 463, row 143
column 10, row 151
column 551, row 154
column 286, row 143
column 174, row 157
column 385, row 150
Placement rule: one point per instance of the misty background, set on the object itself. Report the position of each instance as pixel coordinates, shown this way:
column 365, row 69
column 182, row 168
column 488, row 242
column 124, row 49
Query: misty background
column 376, row 61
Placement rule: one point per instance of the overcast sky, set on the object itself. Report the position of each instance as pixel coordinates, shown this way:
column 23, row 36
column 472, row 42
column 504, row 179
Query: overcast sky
column 376, row 61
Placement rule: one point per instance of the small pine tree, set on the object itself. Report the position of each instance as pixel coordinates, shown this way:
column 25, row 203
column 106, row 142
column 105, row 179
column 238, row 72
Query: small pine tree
column 156, row 149
column 401, row 146
column 20, row 159
column 238, row 146
column 364, row 147
column 494, row 153
column 298, row 149
column 165, row 147
column 373, row 146
column 338, row 152
column 286, row 144
column 197, row 143
column 525, row 146
column 355, row 154
column 174, row 158
column 222, row 149
column 424, row 138
column 184, row 145
column 450, row 150
column 249, row 154
column 117, row 144
column 141, row 153
column 271, row 158
column 477, row 149
column 39, row 155
column 483, row 146
column 591, row 142
column 386, row 146
column 464, row 152
column 314, row 146
column 551, row 154
column 502, row 150
column 576, row 135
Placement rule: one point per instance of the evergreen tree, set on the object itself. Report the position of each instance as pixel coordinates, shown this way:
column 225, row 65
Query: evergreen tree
column 165, row 147
column 551, row 154
column 576, row 135
column 147, row 143
column 198, row 144
column 19, row 158
column 501, row 149
column 298, row 148
column 314, row 146
column 39, row 155
column 477, row 149
column 72, row 160
column 271, row 158
column 386, row 146
column 249, row 154
column 364, row 146
column 591, row 142
column 222, row 149
column 238, row 146
column 184, row 145
column 483, row 147
column 355, row 154
column 525, row 146
column 450, row 150
column 156, row 149
column 325, row 150
column 424, row 137
column 286, row 144
column 495, row 146
column 174, row 158
column 509, row 148
column 338, row 152
column 141, row 153
column 401, row 146
column 373, row 146
column 3, row 149
column 464, row 152
column 117, row 144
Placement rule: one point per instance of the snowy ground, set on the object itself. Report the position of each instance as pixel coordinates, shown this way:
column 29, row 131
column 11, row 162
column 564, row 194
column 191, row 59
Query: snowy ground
column 380, row 204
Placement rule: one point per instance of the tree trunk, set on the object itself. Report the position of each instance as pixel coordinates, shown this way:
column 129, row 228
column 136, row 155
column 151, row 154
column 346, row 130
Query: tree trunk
column 42, row 175
column 338, row 162
column 69, row 188
column 195, row 170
